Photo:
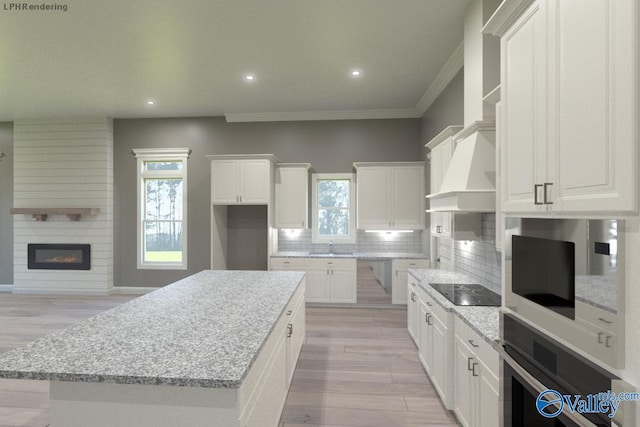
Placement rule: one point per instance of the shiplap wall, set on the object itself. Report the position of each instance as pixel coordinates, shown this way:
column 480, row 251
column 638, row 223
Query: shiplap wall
column 64, row 163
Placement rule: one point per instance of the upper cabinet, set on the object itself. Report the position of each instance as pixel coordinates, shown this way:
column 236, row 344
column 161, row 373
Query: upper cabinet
column 241, row 180
column 292, row 195
column 390, row 196
column 569, row 106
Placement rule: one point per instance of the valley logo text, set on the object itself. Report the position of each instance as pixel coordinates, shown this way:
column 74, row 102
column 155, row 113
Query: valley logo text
column 48, row 7
column 550, row 403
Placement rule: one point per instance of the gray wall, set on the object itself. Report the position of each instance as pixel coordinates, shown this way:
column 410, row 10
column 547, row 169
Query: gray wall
column 330, row 146
column 447, row 110
column 6, row 202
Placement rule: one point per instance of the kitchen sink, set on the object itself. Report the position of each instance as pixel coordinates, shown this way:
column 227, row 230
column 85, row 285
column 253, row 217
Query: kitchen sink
column 331, row 254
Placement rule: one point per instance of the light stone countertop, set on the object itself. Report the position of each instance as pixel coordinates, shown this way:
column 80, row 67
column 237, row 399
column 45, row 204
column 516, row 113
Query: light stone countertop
column 483, row 320
column 202, row 331
column 368, row 256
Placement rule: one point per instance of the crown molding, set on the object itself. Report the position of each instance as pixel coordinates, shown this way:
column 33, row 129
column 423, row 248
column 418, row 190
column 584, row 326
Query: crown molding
column 292, row 116
column 505, row 15
column 448, row 132
column 450, row 69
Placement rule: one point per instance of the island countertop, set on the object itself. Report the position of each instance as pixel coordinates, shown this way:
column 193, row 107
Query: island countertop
column 202, row 331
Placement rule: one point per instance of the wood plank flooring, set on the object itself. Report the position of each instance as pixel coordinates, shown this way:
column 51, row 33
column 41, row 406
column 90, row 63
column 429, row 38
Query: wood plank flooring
column 358, row 366
column 369, row 290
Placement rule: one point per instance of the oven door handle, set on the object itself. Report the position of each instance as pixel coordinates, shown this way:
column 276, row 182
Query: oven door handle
column 538, row 386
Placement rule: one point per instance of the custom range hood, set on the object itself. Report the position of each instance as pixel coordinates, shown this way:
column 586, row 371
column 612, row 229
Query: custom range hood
column 469, row 184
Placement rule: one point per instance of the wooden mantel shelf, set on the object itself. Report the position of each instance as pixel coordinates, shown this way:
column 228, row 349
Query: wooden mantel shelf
column 41, row 214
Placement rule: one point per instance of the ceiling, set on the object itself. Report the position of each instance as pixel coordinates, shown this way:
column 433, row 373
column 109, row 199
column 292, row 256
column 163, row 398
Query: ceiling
column 191, row 56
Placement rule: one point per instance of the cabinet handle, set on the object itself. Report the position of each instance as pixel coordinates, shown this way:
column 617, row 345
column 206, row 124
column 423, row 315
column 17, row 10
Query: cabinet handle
column 469, row 359
column 332, row 271
column 535, row 194
column 429, row 320
column 413, row 297
column 289, row 313
column 287, row 262
column 429, row 304
column 606, row 341
column 608, row 322
column 412, row 263
column 289, row 330
column 473, row 344
column 438, row 229
column 327, row 271
column 546, row 185
column 426, row 318
column 600, row 334
column 473, row 369
column 302, row 224
column 396, row 273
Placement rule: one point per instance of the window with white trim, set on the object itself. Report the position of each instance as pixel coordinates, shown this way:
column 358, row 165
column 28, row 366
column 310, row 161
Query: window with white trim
column 162, row 208
column 333, row 208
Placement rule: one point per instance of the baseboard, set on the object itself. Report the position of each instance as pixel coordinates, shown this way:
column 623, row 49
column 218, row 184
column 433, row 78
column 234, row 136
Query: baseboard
column 6, row 288
column 132, row 290
column 54, row 291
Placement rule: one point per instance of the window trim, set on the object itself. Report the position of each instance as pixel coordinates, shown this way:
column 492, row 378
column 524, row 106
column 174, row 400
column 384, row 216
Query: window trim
column 316, row 238
column 144, row 155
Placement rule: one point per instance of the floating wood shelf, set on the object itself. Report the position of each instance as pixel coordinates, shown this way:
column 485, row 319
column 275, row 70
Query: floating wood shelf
column 41, row 214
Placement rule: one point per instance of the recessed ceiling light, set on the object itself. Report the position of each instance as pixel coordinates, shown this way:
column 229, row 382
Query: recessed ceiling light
column 249, row 77
column 355, row 73
column 151, row 102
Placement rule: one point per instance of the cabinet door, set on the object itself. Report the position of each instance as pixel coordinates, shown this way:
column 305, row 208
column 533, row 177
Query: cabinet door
column 524, row 138
column 224, row 182
column 593, row 111
column 295, row 337
column 254, row 181
column 439, row 362
column 407, row 197
column 343, row 285
column 424, row 336
column 488, row 413
column 412, row 313
column 373, row 198
column 292, row 189
column 464, row 383
column 318, row 285
column 399, row 285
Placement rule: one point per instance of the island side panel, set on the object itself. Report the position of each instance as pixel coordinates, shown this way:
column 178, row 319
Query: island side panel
column 78, row 404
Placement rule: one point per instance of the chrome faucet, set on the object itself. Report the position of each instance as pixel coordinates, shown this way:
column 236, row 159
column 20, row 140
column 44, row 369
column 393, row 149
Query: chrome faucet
column 330, row 246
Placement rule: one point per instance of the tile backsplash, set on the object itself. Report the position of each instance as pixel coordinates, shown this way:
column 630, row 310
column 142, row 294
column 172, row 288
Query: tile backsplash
column 300, row 240
column 479, row 259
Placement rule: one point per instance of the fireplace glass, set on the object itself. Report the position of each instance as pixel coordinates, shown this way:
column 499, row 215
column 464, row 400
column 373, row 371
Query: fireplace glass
column 59, row 256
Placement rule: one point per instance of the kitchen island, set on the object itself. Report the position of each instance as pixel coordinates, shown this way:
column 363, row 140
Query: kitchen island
column 215, row 349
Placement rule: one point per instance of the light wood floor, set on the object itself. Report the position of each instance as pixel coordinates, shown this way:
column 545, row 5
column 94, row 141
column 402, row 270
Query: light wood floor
column 370, row 291
column 358, row 366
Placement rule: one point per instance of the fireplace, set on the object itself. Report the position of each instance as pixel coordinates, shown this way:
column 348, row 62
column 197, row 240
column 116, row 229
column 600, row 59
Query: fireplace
column 59, row 256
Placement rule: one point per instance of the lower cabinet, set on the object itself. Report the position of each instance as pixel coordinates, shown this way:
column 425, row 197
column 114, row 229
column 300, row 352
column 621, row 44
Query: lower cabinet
column 328, row 280
column 413, row 311
column 476, row 386
column 399, row 277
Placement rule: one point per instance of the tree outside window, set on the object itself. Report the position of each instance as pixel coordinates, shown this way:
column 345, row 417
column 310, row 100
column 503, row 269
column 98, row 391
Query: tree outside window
column 333, row 208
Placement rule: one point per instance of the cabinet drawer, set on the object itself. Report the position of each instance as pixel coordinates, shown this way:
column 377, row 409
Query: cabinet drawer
column 400, row 264
column 483, row 351
column 287, row 264
column 434, row 308
column 329, row 263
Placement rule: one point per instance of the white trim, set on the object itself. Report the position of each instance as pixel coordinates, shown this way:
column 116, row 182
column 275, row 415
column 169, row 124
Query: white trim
column 59, row 291
column 504, row 16
column 399, row 113
column 132, row 290
column 160, row 154
column 450, row 69
column 6, row 288
column 351, row 238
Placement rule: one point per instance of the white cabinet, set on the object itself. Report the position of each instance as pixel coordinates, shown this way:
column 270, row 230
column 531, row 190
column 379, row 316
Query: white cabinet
column 400, row 276
column 327, row 280
column 476, row 387
column 570, row 108
column 292, row 195
column 241, row 181
column 435, row 346
column 413, row 310
column 390, row 196
column 295, row 314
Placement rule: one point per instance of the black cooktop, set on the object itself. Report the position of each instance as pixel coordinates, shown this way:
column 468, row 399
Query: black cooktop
column 467, row 294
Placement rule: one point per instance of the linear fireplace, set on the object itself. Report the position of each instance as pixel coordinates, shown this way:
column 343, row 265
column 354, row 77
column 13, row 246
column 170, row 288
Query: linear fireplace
column 59, row 256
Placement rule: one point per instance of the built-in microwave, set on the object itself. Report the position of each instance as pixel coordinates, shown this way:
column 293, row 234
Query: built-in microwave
column 564, row 276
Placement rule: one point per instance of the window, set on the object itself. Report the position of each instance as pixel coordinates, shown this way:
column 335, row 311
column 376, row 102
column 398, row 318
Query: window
column 333, row 208
column 162, row 208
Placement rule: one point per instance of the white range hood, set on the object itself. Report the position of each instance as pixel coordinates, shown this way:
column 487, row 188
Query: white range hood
column 469, row 184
